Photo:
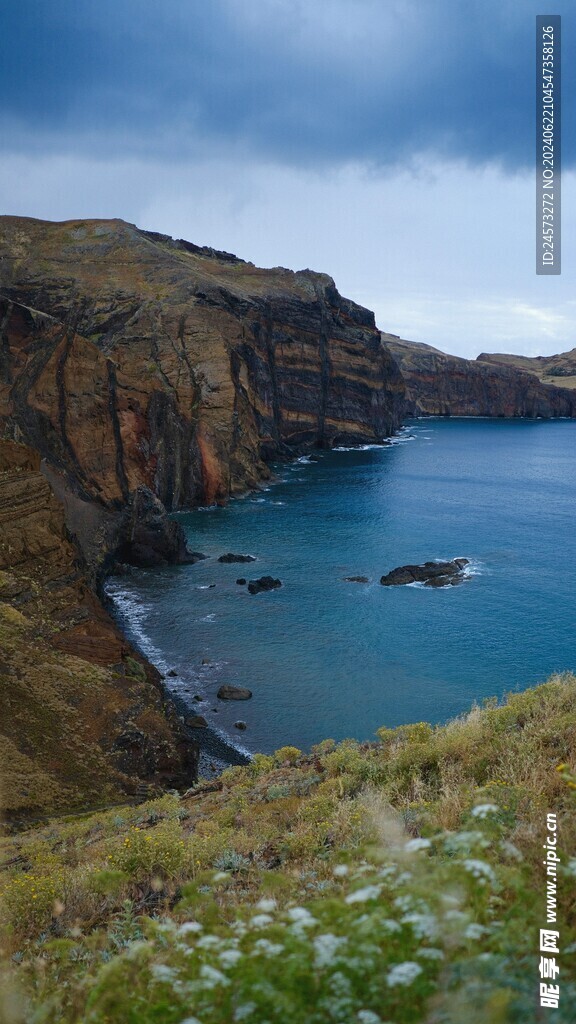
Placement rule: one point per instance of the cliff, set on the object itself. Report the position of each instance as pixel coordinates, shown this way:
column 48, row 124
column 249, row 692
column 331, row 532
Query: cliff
column 148, row 374
column 82, row 716
column 559, row 369
column 442, row 385
column 132, row 360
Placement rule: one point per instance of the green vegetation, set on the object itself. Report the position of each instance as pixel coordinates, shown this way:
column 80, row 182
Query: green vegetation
column 396, row 881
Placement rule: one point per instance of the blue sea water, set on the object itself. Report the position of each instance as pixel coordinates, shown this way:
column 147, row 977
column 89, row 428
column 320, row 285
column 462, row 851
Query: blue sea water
column 327, row 658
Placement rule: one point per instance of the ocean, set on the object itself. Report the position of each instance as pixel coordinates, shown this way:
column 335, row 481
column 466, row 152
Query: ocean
column 329, row 658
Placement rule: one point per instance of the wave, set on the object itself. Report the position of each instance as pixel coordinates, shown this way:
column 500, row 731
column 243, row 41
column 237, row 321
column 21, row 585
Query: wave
column 133, row 612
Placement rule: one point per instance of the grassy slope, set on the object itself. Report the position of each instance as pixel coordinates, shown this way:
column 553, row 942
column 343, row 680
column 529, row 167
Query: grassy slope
column 543, row 367
column 289, row 894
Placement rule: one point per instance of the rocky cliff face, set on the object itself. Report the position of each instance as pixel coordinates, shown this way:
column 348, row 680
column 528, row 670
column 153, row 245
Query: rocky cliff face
column 441, row 385
column 131, row 360
column 559, row 369
column 149, row 375
column 82, row 716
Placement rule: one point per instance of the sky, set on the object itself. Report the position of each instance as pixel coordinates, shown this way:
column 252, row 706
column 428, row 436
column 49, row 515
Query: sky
column 389, row 143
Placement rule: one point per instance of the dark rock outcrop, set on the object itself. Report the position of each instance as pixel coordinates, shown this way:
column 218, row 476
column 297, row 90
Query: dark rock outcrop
column 236, row 558
column 227, row 692
column 431, row 574
column 263, row 584
column 196, row 722
column 146, row 536
column 442, row 385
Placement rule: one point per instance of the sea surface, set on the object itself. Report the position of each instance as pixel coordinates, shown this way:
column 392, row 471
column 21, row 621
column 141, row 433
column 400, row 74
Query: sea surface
column 328, row 658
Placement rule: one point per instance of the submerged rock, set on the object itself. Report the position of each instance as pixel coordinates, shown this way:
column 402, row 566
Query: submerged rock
column 230, row 557
column 241, row 581
column 227, row 692
column 264, row 583
column 356, row 579
column 240, row 725
column 431, row 574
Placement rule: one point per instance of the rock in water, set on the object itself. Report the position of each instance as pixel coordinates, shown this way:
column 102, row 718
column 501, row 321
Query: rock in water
column 431, row 574
column 240, row 725
column 230, row 557
column 356, row 579
column 264, row 583
column 227, row 692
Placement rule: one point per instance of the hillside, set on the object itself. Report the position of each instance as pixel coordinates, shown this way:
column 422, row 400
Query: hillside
column 438, row 384
column 83, row 717
column 559, row 370
column 399, row 881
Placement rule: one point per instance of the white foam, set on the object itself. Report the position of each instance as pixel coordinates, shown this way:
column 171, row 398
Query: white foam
column 134, row 611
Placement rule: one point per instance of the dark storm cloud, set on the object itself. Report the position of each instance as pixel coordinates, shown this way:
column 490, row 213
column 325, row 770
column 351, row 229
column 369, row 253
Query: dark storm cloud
column 303, row 81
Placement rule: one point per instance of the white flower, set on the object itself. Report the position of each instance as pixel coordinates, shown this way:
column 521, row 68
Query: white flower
column 483, row 810
column 242, row 1012
column 261, row 920
column 475, row 931
column 340, row 984
column 570, row 869
column 367, row 1017
column 404, row 902
column 220, row 876
column 370, row 892
column 160, row 972
column 465, row 841
column 429, row 953
column 340, row 870
column 267, row 948
column 423, row 925
column 229, row 957
column 301, row 916
column 482, row 871
column 416, row 844
column 389, row 925
column 190, row 926
column 208, row 940
column 212, row 977
column 190, row 1020
column 403, row 974
column 455, row 915
column 326, row 947
column 510, row 850
column 266, row 905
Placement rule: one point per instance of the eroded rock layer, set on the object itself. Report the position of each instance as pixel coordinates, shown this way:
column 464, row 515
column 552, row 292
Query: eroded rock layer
column 442, row 385
column 129, row 359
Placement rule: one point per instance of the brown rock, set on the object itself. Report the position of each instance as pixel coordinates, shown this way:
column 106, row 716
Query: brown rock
column 82, row 716
column 442, row 385
column 197, row 722
column 227, row 692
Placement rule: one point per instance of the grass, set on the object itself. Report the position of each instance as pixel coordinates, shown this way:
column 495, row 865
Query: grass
column 396, row 881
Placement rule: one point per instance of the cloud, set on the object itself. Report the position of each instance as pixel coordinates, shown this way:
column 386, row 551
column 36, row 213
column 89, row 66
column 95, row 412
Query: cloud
column 305, row 82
